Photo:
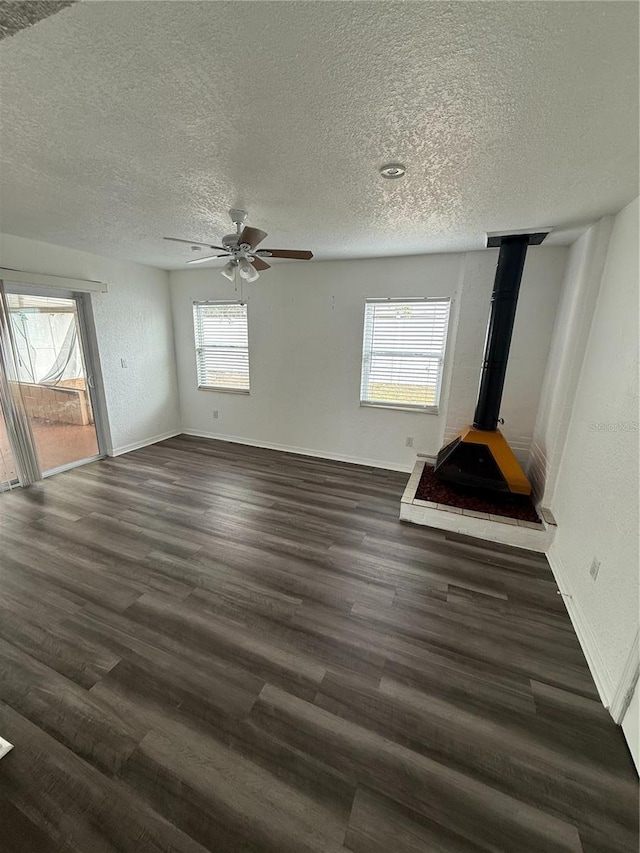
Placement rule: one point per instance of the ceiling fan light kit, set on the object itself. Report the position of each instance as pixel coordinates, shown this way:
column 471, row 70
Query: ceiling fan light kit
column 241, row 249
column 247, row 271
column 229, row 270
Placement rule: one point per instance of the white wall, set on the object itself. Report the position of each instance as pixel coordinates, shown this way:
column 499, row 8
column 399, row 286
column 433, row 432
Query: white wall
column 532, row 333
column 133, row 322
column 580, row 288
column 595, row 497
column 305, row 331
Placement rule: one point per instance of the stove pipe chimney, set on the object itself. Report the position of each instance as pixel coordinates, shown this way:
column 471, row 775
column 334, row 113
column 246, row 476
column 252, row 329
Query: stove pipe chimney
column 480, row 456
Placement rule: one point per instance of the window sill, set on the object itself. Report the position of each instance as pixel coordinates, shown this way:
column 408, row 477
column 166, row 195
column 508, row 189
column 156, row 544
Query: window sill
column 223, row 390
column 429, row 410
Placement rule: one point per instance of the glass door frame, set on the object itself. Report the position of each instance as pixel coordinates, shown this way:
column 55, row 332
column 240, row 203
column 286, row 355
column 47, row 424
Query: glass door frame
column 91, row 360
column 15, row 481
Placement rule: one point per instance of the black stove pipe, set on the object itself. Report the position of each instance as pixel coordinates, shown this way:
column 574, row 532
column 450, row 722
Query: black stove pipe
column 504, row 299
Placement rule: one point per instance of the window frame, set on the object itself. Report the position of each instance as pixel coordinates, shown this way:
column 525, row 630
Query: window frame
column 365, row 368
column 199, row 349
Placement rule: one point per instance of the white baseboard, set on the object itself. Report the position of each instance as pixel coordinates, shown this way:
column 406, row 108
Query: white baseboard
column 303, row 451
column 586, row 637
column 628, row 680
column 136, row 445
column 427, row 457
column 616, row 698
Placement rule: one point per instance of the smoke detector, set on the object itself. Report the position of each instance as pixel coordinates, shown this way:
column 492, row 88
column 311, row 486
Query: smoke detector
column 392, row 170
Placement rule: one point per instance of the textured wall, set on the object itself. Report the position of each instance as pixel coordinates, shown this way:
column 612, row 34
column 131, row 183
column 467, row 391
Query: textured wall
column 595, row 501
column 537, row 303
column 305, row 331
column 305, row 337
column 133, row 322
column 580, row 288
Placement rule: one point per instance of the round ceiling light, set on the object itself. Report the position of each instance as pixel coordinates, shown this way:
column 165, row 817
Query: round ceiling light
column 392, row 170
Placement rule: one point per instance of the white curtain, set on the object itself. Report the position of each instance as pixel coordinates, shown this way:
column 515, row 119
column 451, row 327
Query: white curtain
column 18, row 452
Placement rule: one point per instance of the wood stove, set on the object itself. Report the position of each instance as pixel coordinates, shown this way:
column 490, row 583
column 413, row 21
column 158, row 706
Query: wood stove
column 479, row 456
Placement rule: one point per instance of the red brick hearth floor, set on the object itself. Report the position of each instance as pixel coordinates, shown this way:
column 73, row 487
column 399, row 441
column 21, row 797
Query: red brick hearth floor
column 511, row 506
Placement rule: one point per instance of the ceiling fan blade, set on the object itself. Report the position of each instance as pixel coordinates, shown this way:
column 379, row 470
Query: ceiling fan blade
column 208, row 258
column 251, row 236
column 193, row 243
column 259, row 264
column 289, row 253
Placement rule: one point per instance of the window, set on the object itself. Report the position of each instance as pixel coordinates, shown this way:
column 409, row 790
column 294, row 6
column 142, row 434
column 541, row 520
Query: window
column 403, row 352
column 222, row 345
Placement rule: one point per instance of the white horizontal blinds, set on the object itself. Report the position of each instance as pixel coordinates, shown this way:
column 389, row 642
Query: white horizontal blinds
column 222, row 345
column 403, row 352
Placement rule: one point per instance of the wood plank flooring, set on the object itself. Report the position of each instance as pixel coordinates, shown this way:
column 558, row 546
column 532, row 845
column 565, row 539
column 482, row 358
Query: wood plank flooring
column 211, row 647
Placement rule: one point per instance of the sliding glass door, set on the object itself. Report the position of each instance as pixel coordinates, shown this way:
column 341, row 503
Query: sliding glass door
column 54, row 376
column 8, row 468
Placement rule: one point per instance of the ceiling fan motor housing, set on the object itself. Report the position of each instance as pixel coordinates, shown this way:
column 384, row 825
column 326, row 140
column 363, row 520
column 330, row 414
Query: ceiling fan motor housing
column 241, row 248
column 230, row 241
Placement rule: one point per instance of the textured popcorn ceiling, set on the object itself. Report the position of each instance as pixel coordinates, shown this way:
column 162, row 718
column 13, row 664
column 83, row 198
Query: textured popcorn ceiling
column 16, row 15
column 126, row 121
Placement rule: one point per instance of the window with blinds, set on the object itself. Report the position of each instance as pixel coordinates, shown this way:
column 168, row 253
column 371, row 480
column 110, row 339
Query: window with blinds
column 403, row 352
column 222, row 345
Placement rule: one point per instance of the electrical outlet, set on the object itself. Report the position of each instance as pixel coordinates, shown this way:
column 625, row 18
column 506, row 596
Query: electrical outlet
column 215, row 414
column 409, row 441
column 123, row 362
column 595, row 568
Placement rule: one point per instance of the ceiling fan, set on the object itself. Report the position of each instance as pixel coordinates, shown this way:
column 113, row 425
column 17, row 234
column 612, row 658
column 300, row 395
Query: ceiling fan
column 241, row 249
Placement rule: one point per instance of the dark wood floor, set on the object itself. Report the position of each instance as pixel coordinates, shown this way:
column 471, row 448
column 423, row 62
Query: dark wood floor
column 209, row 647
